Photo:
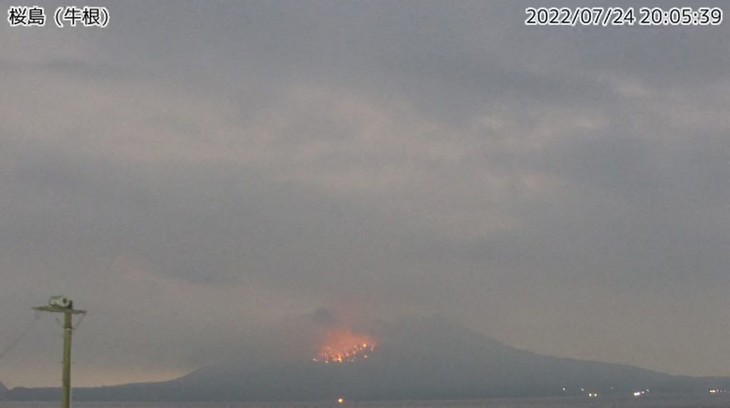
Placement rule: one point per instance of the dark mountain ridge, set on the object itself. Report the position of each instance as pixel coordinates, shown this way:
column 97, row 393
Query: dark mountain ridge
column 417, row 359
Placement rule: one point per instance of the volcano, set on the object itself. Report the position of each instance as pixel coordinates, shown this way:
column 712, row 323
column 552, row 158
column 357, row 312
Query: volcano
column 415, row 359
column 345, row 346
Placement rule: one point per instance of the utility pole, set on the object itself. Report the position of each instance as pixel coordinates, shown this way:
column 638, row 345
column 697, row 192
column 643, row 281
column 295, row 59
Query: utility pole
column 62, row 304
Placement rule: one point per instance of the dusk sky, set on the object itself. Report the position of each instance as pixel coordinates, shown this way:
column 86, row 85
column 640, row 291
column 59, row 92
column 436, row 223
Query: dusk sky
column 203, row 177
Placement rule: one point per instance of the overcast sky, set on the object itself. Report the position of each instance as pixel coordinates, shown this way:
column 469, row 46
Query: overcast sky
column 198, row 174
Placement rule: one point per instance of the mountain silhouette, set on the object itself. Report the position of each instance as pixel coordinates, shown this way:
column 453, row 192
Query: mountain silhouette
column 421, row 358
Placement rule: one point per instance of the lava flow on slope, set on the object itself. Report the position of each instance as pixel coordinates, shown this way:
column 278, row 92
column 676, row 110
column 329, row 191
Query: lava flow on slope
column 345, row 346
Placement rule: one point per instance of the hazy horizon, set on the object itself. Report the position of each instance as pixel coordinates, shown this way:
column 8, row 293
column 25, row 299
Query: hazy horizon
column 211, row 178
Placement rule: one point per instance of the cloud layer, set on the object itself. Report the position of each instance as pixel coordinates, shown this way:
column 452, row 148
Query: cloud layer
column 197, row 174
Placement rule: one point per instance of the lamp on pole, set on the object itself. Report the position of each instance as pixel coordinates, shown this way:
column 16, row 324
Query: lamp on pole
column 62, row 304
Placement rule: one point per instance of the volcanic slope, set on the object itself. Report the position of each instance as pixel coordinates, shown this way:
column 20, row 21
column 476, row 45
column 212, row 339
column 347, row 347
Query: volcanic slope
column 423, row 358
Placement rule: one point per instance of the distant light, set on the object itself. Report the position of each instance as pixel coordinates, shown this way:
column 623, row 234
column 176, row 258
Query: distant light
column 340, row 400
column 563, row 388
column 592, row 394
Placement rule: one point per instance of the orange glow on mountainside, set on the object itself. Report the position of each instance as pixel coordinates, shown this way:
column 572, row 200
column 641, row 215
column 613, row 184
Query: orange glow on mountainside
column 345, row 346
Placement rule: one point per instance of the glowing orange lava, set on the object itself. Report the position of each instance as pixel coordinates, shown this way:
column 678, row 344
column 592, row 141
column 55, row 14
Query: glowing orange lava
column 345, row 346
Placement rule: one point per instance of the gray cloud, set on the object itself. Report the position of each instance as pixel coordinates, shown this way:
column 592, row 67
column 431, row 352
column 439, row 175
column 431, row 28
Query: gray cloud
column 196, row 175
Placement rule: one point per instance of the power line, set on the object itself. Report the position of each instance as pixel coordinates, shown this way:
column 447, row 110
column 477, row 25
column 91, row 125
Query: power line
column 22, row 334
